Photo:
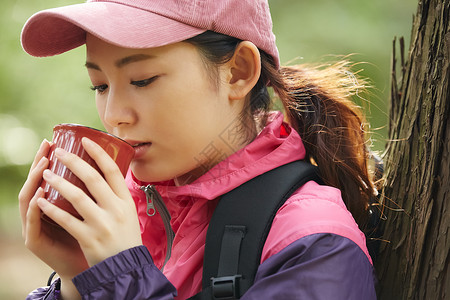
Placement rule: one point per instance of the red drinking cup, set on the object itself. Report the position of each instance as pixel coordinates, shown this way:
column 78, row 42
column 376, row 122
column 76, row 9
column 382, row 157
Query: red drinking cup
column 68, row 137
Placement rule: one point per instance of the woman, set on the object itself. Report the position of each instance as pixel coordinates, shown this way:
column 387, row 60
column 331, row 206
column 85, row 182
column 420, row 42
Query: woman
column 185, row 83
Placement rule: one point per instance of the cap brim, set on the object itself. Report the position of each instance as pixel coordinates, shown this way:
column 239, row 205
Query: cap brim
column 58, row 30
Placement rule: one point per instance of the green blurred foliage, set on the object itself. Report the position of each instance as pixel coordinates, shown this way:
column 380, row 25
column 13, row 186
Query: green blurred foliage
column 361, row 30
column 37, row 93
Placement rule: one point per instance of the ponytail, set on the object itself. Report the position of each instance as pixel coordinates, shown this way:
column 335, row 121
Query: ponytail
column 317, row 103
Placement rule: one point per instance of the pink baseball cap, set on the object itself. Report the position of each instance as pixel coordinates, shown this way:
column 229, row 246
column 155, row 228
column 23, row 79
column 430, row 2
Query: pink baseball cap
column 147, row 24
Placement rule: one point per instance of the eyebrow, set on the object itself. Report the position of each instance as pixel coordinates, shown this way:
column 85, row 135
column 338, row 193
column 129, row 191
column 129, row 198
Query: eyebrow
column 121, row 62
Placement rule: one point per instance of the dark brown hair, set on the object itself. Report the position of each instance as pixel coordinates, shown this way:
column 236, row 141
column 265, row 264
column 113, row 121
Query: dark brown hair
column 317, row 103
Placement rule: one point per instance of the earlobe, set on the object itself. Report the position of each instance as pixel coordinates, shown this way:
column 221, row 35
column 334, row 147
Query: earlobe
column 245, row 69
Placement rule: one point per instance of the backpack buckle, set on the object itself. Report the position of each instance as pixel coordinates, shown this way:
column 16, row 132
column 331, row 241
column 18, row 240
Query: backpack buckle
column 226, row 287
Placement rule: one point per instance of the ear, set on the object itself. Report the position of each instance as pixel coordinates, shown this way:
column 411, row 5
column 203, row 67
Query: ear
column 245, row 69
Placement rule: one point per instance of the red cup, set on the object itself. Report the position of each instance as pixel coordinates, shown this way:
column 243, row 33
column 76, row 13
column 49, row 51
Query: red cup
column 68, row 137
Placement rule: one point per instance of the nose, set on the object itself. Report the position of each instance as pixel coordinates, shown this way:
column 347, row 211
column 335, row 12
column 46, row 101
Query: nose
column 116, row 110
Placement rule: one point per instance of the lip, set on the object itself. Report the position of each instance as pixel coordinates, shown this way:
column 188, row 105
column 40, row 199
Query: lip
column 135, row 143
column 140, row 147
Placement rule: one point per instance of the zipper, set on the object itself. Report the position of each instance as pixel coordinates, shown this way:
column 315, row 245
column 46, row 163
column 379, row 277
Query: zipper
column 156, row 204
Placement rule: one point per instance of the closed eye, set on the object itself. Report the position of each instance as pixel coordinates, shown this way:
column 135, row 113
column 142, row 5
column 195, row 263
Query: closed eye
column 145, row 82
column 99, row 88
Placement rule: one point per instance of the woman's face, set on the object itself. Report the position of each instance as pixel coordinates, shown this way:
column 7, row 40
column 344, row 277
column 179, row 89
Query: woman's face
column 163, row 102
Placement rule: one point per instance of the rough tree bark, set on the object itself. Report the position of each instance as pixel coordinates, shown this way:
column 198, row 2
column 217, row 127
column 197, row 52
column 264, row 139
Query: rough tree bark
column 414, row 264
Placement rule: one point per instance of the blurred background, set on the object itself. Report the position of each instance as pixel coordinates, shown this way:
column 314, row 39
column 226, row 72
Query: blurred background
column 37, row 93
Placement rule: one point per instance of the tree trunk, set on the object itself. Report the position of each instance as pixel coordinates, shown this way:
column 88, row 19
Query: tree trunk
column 414, row 261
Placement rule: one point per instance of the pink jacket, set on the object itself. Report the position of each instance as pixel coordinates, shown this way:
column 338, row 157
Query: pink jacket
column 314, row 249
column 310, row 210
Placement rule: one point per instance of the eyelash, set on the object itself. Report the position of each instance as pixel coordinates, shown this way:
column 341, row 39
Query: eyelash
column 99, row 88
column 145, row 82
column 138, row 83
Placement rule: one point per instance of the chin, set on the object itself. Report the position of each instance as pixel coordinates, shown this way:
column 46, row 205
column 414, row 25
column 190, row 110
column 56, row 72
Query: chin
column 147, row 174
column 163, row 172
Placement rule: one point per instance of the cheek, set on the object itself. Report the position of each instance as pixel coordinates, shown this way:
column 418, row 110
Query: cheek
column 101, row 110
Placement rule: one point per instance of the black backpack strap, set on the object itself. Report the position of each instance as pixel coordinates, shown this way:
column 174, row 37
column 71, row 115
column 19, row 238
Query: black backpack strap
column 239, row 227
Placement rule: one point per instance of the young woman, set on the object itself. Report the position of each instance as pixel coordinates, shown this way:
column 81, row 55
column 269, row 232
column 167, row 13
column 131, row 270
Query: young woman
column 185, row 83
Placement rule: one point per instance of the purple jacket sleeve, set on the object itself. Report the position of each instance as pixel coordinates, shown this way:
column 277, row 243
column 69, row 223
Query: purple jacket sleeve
column 129, row 275
column 46, row 293
column 318, row 266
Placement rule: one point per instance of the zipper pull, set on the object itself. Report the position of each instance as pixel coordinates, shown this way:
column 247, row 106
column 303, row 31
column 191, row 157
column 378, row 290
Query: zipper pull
column 148, row 190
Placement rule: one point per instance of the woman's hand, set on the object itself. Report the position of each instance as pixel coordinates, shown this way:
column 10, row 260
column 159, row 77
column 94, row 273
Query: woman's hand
column 110, row 224
column 51, row 244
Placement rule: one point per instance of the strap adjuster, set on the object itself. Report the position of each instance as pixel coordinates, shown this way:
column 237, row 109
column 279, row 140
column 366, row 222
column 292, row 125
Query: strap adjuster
column 226, row 287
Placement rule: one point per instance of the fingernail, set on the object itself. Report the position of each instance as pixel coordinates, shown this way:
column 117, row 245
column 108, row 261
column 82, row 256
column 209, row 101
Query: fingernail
column 60, row 152
column 47, row 174
column 42, row 161
column 44, row 142
column 42, row 202
column 87, row 141
column 40, row 191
